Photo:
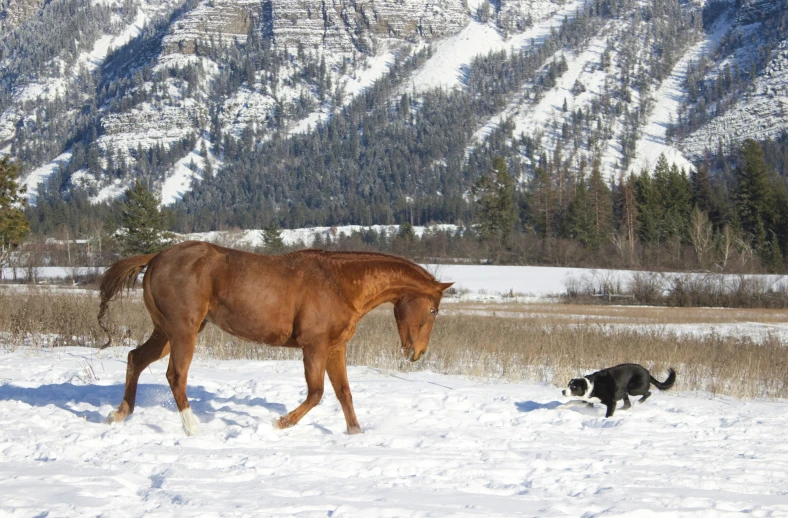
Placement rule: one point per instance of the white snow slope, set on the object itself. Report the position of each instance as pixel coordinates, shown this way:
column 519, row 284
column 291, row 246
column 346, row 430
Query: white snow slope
column 433, row 446
column 667, row 102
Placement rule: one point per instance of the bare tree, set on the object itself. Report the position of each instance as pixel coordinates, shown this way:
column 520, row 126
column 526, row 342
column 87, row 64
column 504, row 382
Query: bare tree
column 700, row 233
column 725, row 243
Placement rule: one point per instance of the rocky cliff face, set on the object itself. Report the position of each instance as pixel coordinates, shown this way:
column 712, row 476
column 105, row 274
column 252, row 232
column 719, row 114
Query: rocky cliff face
column 228, row 20
column 334, row 25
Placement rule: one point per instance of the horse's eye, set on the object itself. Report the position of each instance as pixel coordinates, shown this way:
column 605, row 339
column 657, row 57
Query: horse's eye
column 433, row 312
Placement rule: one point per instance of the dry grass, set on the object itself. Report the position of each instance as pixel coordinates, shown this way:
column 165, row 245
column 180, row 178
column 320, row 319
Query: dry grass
column 546, row 343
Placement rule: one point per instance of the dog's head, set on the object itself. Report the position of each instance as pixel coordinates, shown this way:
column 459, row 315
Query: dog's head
column 579, row 387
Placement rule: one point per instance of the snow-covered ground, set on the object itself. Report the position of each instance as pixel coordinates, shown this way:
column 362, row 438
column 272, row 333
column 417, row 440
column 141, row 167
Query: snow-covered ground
column 433, row 445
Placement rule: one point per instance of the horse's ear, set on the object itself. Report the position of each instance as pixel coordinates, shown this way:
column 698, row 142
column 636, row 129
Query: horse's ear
column 443, row 286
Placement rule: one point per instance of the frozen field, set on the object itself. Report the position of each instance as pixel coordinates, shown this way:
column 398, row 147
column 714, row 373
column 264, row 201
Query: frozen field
column 433, row 446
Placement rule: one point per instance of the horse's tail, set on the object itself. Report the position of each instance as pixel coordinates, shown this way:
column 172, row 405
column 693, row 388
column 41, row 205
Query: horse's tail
column 122, row 274
column 665, row 385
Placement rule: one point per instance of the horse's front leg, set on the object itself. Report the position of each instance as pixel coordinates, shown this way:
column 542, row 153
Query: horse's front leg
column 337, row 373
column 315, row 358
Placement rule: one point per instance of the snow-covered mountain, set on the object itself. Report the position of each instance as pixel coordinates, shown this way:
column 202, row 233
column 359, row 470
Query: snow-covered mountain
column 94, row 94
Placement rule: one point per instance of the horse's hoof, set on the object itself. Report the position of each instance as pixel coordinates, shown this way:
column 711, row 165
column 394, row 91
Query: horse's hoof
column 282, row 423
column 354, row 431
column 189, row 422
column 112, row 418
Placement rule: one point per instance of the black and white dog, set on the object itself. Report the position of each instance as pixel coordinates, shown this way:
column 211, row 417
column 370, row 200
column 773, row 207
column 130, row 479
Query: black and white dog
column 609, row 386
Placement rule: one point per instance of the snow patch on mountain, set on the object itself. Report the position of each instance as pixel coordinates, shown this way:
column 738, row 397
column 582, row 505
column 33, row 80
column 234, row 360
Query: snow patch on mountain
column 667, row 101
column 452, row 56
column 186, row 170
column 42, row 174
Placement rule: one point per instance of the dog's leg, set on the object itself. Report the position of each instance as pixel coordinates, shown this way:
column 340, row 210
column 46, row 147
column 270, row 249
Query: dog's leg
column 611, row 408
column 645, row 397
column 627, row 403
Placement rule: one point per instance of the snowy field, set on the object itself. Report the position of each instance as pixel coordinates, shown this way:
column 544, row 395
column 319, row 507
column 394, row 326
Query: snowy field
column 433, row 446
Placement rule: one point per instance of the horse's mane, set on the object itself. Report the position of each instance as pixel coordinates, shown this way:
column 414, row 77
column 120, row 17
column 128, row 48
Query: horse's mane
column 345, row 257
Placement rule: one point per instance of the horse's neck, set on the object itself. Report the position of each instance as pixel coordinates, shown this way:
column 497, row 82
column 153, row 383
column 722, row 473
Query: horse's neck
column 380, row 282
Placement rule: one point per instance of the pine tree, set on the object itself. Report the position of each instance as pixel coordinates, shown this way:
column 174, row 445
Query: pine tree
column 494, row 196
column 648, row 210
column 406, row 232
column 773, row 256
column 272, row 238
column 701, row 188
column 579, row 221
column 629, row 213
column 143, row 222
column 601, row 204
column 13, row 225
column 676, row 199
column 542, row 202
column 753, row 198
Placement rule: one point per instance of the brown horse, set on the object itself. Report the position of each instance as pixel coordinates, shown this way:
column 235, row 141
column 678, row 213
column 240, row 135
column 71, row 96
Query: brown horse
column 309, row 299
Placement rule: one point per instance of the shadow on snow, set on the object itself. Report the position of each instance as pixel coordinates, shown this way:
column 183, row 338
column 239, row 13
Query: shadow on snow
column 72, row 398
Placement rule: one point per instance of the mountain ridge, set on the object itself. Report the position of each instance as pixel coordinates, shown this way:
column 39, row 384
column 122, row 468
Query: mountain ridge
column 173, row 92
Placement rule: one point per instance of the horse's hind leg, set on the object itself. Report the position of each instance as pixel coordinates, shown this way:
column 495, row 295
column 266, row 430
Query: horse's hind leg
column 155, row 348
column 315, row 372
column 181, row 353
column 337, row 373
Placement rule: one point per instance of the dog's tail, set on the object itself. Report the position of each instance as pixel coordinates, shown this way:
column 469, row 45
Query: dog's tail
column 122, row 274
column 665, row 385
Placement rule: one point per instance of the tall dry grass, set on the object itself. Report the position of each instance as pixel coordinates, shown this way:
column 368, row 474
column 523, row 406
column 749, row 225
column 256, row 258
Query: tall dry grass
column 495, row 347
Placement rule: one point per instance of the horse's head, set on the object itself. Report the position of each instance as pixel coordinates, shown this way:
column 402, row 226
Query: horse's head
column 415, row 313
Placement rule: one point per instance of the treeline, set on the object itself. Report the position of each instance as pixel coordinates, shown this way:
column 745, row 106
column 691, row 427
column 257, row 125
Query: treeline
column 730, row 214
